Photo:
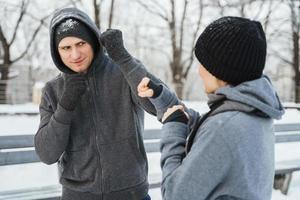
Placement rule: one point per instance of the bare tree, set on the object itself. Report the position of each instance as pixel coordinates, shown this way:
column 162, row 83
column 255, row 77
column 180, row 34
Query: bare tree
column 181, row 60
column 111, row 13
column 97, row 5
column 295, row 27
column 8, row 40
column 294, row 6
column 290, row 55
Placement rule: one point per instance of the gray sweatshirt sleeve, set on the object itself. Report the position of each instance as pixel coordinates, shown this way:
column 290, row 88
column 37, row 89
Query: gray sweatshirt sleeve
column 52, row 136
column 168, row 99
column 196, row 175
column 134, row 71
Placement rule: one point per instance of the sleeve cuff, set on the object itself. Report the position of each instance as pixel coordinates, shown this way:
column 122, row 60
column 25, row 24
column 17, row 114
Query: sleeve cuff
column 165, row 100
column 175, row 129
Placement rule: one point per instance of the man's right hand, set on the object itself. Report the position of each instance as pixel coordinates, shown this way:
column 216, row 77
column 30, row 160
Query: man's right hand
column 147, row 88
column 112, row 40
column 75, row 86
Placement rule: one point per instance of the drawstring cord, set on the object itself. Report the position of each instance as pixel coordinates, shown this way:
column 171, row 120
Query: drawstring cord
column 94, row 81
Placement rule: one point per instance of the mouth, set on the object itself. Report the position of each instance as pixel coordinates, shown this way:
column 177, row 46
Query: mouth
column 78, row 62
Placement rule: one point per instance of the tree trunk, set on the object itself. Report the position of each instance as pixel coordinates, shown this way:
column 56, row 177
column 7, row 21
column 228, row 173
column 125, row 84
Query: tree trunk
column 97, row 13
column 111, row 14
column 296, row 66
column 3, row 83
column 179, row 89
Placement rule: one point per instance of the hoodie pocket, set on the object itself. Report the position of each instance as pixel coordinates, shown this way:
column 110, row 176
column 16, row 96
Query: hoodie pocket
column 78, row 170
column 124, row 166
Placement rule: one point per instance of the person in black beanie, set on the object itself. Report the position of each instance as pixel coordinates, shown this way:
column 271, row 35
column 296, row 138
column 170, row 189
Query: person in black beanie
column 228, row 152
column 91, row 116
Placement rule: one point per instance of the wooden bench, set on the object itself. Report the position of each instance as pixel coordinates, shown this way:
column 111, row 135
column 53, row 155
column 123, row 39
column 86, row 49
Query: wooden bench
column 19, row 149
column 284, row 169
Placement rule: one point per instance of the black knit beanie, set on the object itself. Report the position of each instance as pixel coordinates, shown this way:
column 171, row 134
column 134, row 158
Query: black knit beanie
column 233, row 49
column 74, row 28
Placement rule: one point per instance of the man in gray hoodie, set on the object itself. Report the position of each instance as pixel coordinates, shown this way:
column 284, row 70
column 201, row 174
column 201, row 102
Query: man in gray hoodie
column 228, row 153
column 91, row 117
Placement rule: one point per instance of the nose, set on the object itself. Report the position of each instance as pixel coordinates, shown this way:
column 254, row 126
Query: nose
column 75, row 54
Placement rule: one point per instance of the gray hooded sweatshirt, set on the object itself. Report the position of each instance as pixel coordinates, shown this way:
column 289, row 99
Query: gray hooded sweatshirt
column 232, row 155
column 98, row 146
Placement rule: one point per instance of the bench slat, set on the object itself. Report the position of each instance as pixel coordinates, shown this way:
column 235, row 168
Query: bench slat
column 21, row 141
column 16, row 141
column 287, row 127
column 282, row 137
column 150, row 134
column 18, row 157
column 151, row 147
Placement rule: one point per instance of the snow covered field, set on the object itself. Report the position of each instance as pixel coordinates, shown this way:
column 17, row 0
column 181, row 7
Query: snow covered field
column 38, row 175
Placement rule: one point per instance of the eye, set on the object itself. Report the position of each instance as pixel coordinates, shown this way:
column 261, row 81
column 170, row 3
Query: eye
column 81, row 43
column 65, row 48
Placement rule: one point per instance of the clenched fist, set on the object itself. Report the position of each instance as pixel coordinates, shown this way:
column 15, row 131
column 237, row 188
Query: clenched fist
column 112, row 40
column 147, row 88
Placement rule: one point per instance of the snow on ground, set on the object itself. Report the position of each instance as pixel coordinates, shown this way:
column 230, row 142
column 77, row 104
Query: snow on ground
column 13, row 122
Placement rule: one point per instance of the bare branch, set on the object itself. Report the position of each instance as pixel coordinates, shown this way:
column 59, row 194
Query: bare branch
column 30, row 42
column 111, row 13
column 157, row 49
column 259, row 10
column 222, row 7
column 152, row 11
column 6, row 56
column 3, row 38
column 74, row 3
column 160, row 6
column 181, row 34
column 97, row 12
column 22, row 12
column 191, row 57
column 271, row 8
column 176, row 59
column 278, row 55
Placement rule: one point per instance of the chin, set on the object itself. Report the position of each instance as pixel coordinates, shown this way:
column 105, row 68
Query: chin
column 80, row 69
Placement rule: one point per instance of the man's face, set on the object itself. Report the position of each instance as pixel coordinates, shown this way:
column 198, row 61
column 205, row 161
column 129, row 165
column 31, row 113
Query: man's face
column 76, row 54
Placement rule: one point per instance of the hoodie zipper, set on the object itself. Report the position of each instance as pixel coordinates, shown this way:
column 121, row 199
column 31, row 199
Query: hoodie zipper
column 95, row 132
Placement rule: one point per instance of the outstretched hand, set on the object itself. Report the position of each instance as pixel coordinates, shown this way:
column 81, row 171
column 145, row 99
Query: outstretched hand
column 143, row 89
column 147, row 88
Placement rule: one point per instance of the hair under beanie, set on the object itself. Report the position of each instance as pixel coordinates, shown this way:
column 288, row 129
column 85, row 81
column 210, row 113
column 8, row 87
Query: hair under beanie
column 233, row 49
column 74, row 28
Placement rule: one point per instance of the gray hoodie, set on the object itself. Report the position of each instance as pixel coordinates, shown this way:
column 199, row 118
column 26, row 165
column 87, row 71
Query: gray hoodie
column 232, row 156
column 98, row 146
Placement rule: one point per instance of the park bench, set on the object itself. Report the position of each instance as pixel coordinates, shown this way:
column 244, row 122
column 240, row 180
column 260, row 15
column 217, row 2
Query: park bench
column 284, row 169
column 19, row 149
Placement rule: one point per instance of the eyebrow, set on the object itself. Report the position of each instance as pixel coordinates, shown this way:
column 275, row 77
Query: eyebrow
column 63, row 46
column 71, row 45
